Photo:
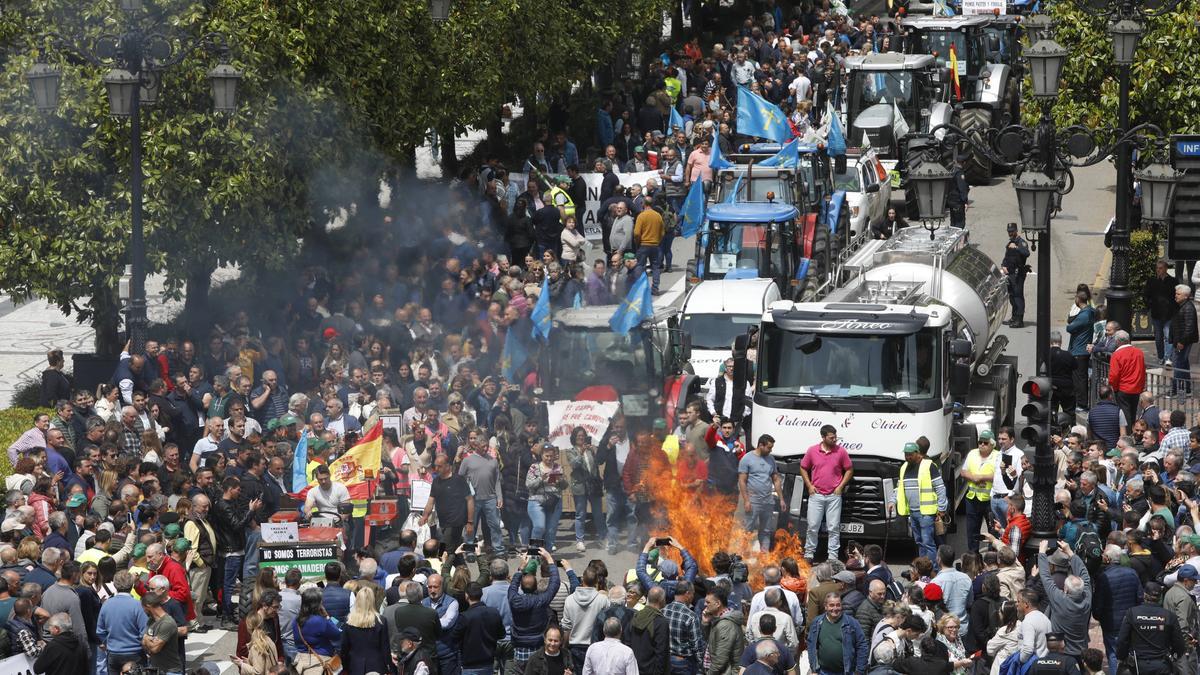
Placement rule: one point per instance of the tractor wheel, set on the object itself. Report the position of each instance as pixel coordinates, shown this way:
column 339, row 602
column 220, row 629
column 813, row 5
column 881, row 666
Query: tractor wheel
column 978, row 167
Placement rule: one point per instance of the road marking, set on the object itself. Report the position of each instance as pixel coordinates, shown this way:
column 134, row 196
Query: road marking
column 1105, row 264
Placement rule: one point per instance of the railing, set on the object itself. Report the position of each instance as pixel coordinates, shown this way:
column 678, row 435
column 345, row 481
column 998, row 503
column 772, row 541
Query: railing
column 1159, row 381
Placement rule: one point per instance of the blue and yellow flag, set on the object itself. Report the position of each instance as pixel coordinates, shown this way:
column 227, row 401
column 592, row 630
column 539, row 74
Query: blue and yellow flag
column 835, row 146
column 514, row 356
column 675, row 122
column 788, row 156
column 716, row 160
column 541, row 312
column 757, row 116
column 691, row 216
column 731, row 198
column 300, row 463
column 637, row 307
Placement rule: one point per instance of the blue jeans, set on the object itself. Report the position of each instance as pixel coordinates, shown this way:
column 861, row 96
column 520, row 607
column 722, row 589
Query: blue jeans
column 233, row 568
column 683, row 666
column 478, row 671
column 582, row 502
column 545, row 523
column 759, row 521
column 1000, row 510
column 1181, row 377
column 1163, row 346
column 650, row 259
column 921, row 527
column 664, row 247
column 825, row 509
column 618, row 513
column 485, row 509
column 99, row 660
column 1110, row 650
column 516, row 521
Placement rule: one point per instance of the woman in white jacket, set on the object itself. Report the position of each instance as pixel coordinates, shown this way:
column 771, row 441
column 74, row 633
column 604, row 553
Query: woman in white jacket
column 1006, row 641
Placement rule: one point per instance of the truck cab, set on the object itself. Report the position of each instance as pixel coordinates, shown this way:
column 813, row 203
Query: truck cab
column 890, row 95
column 746, row 241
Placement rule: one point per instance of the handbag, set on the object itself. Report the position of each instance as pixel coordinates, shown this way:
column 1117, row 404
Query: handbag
column 939, row 526
column 329, row 666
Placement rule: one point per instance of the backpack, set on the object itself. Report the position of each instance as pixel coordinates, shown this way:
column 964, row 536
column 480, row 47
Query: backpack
column 1089, row 547
column 894, row 590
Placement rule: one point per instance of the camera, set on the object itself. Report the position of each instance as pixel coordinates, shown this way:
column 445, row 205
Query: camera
column 739, row 573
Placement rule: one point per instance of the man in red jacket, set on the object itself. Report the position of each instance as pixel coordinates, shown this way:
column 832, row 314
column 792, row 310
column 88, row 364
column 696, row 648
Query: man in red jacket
column 160, row 563
column 1127, row 374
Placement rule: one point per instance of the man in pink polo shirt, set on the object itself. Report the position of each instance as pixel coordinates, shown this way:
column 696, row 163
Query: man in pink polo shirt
column 826, row 470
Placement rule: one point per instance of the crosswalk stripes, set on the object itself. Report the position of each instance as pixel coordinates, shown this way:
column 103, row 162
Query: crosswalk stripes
column 216, row 647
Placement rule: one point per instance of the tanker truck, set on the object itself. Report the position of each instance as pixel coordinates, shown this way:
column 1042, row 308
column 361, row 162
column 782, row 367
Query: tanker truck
column 904, row 345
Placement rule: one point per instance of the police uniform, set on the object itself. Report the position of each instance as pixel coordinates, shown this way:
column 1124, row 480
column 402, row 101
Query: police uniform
column 1150, row 636
column 1055, row 663
column 1014, row 261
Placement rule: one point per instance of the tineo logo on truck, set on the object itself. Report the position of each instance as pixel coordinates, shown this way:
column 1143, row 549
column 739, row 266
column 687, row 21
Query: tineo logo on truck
column 855, row 324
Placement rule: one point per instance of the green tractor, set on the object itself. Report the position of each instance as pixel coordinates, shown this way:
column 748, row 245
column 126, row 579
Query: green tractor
column 986, row 93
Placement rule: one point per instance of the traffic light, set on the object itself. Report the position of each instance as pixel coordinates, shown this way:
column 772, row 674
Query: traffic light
column 1037, row 412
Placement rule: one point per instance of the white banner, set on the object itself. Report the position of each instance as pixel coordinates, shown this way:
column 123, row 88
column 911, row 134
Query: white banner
column 984, row 6
column 587, row 216
column 17, row 665
column 593, row 416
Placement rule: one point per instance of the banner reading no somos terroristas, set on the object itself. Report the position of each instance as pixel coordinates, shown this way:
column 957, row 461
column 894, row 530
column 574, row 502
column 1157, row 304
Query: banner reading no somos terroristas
column 593, row 416
column 588, row 217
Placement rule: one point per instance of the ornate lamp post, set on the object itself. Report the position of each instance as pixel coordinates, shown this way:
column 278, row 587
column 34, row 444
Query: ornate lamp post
column 136, row 59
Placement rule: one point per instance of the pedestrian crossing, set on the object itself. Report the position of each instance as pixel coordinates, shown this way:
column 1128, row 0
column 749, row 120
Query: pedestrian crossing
column 215, row 647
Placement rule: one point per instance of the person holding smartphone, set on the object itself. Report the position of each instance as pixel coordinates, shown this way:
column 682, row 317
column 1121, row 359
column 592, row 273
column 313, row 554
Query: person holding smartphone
column 545, row 484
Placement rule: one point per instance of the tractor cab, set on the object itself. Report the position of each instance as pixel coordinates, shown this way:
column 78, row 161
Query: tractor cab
column 889, row 96
column 813, row 176
column 965, row 37
column 748, row 240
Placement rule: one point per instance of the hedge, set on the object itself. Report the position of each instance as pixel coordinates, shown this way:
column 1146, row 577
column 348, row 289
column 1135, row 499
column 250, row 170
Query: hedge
column 13, row 423
column 1144, row 251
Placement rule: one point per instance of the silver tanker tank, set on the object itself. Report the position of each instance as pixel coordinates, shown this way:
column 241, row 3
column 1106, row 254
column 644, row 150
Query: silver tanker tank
column 909, row 268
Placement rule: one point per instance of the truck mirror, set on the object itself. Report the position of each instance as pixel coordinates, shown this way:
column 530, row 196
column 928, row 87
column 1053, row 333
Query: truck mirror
column 685, row 345
column 994, row 42
column 808, row 343
column 960, row 379
column 873, row 187
column 960, row 349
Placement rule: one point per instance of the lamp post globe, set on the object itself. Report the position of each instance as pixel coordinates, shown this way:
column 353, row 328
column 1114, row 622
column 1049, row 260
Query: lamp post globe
column 1125, row 36
column 931, row 181
column 439, row 10
column 122, row 86
column 43, row 83
column 1037, row 27
column 1035, row 200
column 1158, row 191
column 1046, row 61
column 225, row 79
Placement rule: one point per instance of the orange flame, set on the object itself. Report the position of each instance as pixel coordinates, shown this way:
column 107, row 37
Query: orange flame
column 705, row 522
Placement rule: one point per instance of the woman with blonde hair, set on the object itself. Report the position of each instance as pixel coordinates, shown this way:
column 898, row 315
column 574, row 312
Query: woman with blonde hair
column 365, row 646
column 261, row 653
column 948, row 629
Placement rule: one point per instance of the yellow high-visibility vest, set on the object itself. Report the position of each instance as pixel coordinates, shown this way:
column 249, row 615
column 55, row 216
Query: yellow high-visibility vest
column 561, row 199
column 928, row 506
column 977, row 464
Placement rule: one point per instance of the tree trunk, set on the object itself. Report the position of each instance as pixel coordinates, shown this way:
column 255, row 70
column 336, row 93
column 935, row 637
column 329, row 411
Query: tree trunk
column 106, row 317
column 406, row 167
column 449, row 156
column 196, row 315
column 677, row 22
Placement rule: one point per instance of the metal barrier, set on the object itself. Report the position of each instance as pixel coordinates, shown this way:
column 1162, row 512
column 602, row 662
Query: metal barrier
column 1159, row 381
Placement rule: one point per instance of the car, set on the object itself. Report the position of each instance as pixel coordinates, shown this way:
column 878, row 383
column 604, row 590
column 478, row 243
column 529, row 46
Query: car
column 868, row 190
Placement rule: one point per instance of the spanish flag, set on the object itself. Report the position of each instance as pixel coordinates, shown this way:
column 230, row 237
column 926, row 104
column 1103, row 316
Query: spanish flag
column 954, row 72
column 361, row 463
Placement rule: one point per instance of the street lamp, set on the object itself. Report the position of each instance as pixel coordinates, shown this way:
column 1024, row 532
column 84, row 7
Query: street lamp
column 1035, row 199
column 439, row 10
column 931, row 181
column 136, row 59
column 1158, row 182
column 1036, row 26
column 1046, row 61
column 1125, row 35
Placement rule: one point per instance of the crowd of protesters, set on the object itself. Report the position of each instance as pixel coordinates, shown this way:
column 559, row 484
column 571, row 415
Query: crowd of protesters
column 133, row 513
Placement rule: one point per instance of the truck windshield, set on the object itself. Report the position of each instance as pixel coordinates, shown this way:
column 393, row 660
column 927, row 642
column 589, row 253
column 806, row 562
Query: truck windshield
column 868, row 88
column 938, row 42
column 748, row 248
column 904, row 366
column 756, row 189
column 583, row 358
column 717, row 331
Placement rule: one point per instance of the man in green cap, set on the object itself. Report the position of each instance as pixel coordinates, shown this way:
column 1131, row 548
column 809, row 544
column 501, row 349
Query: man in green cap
column 921, row 497
column 633, row 271
column 978, row 471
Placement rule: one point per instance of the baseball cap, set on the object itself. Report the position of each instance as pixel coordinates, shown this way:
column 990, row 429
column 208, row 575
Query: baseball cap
column 629, row 256
column 1115, row 452
column 410, row 633
column 933, row 593
column 1193, row 539
column 1011, row 227
column 1060, row 559
column 911, row 447
column 181, row 545
column 639, row 148
column 11, row 525
column 668, row 567
column 139, row 550
column 273, row 425
column 844, row 577
column 77, row 499
column 1188, row 572
column 172, row 531
column 987, row 435
column 330, row 333
column 167, row 518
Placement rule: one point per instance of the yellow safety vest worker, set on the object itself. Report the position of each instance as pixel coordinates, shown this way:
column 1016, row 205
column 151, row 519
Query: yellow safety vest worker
column 674, row 87
column 976, row 463
column 561, row 199
column 929, row 505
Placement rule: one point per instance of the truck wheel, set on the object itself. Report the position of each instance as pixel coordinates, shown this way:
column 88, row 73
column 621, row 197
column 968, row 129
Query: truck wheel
column 976, row 122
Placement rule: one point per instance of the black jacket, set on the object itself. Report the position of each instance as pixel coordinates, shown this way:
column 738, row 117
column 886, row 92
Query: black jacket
column 230, row 520
column 65, row 654
column 1183, row 324
column 547, row 226
column 1159, row 295
column 650, row 640
column 478, row 630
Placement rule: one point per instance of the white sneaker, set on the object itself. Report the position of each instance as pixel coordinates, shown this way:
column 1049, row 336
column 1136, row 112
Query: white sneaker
column 580, row 548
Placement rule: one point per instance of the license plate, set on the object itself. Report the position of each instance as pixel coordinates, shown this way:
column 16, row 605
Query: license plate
column 852, row 528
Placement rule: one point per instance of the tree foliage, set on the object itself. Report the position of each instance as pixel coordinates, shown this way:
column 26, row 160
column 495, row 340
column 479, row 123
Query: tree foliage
column 333, row 94
column 1164, row 87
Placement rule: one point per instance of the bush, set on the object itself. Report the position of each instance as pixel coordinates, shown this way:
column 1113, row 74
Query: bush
column 28, row 394
column 1143, row 252
column 13, row 423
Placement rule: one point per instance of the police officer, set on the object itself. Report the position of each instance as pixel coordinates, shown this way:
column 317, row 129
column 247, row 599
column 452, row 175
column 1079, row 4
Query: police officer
column 959, row 197
column 1055, row 662
column 1150, row 635
column 1013, row 266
